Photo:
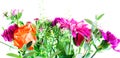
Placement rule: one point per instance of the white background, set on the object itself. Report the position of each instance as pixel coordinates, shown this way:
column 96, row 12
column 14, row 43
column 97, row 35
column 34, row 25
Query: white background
column 77, row 9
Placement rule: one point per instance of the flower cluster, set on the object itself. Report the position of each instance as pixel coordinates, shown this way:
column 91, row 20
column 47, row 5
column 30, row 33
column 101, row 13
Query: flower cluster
column 78, row 29
column 59, row 38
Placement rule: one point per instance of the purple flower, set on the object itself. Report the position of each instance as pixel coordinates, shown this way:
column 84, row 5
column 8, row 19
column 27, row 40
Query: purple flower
column 111, row 39
column 9, row 33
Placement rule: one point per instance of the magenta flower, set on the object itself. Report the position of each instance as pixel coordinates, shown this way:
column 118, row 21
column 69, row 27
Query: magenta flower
column 64, row 23
column 111, row 39
column 79, row 30
column 55, row 21
column 36, row 19
column 9, row 33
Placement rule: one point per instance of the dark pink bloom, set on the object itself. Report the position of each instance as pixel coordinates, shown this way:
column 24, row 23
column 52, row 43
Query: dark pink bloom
column 79, row 30
column 9, row 33
column 78, row 39
column 55, row 21
column 36, row 19
column 64, row 23
column 111, row 39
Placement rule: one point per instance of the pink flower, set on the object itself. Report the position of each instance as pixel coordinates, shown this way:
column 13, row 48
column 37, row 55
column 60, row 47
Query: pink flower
column 79, row 30
column 15, row 12
column 111, row 39
column 64, row 23
column 9, row 33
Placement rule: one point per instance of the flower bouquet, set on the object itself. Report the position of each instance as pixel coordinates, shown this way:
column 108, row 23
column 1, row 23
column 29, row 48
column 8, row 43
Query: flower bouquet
column 57, row 38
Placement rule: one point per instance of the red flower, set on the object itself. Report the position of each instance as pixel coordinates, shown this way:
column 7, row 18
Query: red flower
column 78, row 39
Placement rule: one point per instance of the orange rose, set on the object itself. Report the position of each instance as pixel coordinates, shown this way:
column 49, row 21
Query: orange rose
column 24, row 35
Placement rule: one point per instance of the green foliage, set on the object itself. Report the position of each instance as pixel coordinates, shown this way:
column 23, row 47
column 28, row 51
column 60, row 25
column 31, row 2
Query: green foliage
column 12, row 55
column 14, row 18
column 18, row 16
column 89, row 21
column 55, row 42
column 98, row 17
column 52, row 41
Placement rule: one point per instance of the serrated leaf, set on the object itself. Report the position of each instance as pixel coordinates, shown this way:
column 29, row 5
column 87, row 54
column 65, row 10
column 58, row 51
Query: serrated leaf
column 99, row 17
column 89, row 21
column 12, row 55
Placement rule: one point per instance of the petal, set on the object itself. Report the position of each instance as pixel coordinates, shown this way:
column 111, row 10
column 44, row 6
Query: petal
column 25, row 34
column 103, row 34
column 78, row 39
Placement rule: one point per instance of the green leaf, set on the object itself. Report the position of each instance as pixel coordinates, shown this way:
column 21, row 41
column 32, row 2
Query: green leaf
column 12, row 21
column 29, row 44
column 86, row 46
column 21, row 23
column 66, row 56
column 3, row 28
column 54, row 54
column 25, row 46
column 99, row 17
column 104, row 44
column 29, row 54
column 12, row 55
column 87, row 55
column 89, row 21
column 12, row 17
column 6, row 14
column 19, row 15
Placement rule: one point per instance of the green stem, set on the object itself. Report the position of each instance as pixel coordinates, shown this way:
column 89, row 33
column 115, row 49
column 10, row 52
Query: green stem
column 7, row 44
column 94, row 54
column 17, row 22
